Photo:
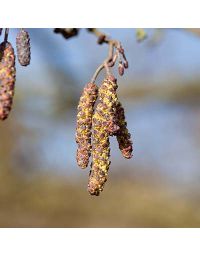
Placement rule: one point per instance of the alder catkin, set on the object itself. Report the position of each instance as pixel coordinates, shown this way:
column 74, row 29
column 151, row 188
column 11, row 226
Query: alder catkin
column 84, row 124
column 23, row 48
column 123, row 136
column 108, row 96
column 7, row 78
column 100, row 152
column 104, row 125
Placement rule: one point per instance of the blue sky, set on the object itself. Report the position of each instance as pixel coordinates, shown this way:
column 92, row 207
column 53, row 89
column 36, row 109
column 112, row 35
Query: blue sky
column 178, row 54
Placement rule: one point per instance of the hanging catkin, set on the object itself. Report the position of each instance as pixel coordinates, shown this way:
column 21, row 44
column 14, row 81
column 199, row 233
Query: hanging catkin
column 23, row 48
column 84, row 124
column 108, row 96
column 103, row 124
column 7, row 78
column 100, row 152
column 123, row 136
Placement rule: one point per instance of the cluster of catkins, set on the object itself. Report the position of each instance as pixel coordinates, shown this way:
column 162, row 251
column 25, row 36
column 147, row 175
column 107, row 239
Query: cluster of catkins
column 95, row 124
column 8, row 70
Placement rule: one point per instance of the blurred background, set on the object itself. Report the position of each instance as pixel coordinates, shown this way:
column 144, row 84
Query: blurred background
column 40, row 183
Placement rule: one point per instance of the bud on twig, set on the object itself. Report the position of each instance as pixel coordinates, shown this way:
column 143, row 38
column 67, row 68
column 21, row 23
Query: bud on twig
column 121, row 50
column 120, row 69
column 101, row 39
column 111, row 63
column 126, row 64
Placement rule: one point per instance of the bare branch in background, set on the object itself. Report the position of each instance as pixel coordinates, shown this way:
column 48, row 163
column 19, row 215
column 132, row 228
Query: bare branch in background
column 195, row 31
column 67, row 32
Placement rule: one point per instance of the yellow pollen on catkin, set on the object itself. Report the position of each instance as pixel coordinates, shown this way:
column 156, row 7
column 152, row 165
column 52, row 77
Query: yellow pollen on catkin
column 7, row 78
column 84, row 124
column 103, row 124
column 123, row 135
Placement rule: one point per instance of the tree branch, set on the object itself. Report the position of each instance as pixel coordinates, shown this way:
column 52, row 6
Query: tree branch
column 115, row 52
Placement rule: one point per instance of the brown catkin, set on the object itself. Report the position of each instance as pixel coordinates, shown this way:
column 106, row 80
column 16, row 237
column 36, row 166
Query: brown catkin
column 104, row 125
column 108, row 96
column 100, row 152
column 123, row 136
column 84, row 124
column 23, row 48
column 7, row 78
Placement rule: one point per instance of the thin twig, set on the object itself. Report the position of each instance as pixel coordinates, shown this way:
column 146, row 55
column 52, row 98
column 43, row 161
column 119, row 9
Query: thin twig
column 101, row 67
column 110, row 61
column 105, row 63
column 6, row 35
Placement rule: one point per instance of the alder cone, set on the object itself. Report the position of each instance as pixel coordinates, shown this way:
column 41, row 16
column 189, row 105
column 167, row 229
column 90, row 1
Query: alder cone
column 7, row 78
column 23, row 48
